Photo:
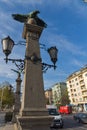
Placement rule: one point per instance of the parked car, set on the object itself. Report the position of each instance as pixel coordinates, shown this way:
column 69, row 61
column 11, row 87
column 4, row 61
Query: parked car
column 81, row 117
column 77, row 115
column 57, row 120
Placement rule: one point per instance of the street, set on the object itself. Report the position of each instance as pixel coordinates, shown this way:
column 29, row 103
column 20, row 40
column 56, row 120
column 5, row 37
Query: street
column 71, row 124
column 2, row 121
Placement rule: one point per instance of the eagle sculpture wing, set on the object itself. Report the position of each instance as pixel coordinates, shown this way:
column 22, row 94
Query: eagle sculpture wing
column 23, row 18
column 40, row 22
column 20, row 17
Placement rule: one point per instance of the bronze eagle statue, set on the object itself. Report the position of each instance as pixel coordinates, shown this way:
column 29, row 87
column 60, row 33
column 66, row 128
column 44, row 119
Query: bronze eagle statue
column 19, row 73
column 24, row 18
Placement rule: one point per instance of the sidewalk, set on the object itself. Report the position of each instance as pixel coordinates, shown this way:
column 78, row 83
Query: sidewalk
column 3, row 125
column 8, row 126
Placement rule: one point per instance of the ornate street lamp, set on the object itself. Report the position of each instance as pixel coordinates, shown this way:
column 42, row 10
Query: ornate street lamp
column 7, row 46
column 53, row 55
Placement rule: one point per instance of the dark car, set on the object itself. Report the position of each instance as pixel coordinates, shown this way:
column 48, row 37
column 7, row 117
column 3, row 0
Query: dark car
column 57, row 120
column 57, row 123
column 76, row 116
column 81, row 117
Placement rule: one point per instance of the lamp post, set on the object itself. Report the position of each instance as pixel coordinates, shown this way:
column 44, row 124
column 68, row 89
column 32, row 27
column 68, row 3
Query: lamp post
column 33, row 113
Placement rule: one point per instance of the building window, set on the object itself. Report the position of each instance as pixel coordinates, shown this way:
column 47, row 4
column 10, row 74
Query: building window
column 76, row 83
column 71, row 90
column 72, row 95
column 69, row 81
column 83, row 87
column 85, row 99
column 75, row 94
column 86, row 74
column 73, row 100
column 80, row 99
column 70, row 86
column 74, row 90
column 82, row 81
column 80, row 76
column 76, row 79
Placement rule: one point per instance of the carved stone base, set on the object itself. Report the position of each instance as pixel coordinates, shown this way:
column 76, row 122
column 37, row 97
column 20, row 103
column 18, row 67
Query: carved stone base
column 34, row 123
column 34, row 112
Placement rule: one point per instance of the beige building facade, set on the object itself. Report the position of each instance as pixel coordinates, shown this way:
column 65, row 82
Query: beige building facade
column 48, row 96
column 77, row 88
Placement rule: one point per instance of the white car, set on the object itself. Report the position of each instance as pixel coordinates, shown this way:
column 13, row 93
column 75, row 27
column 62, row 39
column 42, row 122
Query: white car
column 57, row 121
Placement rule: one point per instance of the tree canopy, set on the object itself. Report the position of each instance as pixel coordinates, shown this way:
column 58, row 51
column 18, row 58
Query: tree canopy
column 6, row 95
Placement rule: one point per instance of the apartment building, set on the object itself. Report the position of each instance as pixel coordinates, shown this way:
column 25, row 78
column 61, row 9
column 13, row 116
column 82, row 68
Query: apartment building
column 77, row 88
column 59, row 92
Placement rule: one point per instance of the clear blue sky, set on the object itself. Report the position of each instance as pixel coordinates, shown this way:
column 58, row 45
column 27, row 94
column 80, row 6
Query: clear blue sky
column 67, row 30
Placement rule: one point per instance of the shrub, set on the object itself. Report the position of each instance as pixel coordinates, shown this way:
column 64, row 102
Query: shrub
column 8, row 116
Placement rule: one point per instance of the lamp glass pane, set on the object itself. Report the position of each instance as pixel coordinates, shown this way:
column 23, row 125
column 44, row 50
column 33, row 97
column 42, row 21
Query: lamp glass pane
column 53, row 54
column 10, row 45
column 7, row 44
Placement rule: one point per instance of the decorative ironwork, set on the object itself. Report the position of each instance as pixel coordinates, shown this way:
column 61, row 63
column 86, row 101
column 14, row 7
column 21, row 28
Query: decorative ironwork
column 45, row 67
column 20, row 66
column 43, row 46
column 18, row 62
column 7, row 45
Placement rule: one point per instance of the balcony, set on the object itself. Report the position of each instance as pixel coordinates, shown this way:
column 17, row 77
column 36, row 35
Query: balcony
column 84, row 94
column 84, row 89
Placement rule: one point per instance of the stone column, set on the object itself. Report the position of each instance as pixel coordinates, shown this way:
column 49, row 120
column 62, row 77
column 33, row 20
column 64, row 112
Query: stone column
column 18, row 94
column 33, row 113
column 17, row 104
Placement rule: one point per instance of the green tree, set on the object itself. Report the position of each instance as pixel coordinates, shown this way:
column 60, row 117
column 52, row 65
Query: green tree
column 65, row 99
column 62, row 100
column 6, row 96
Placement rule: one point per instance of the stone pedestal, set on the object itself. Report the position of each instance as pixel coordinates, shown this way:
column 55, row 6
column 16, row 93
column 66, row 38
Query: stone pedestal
column 34, row 123
column 33, row 113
